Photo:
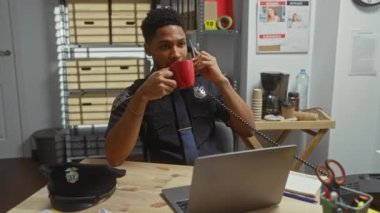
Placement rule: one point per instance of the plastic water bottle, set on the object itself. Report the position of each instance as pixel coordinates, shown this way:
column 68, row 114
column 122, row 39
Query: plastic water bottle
column 302, row 85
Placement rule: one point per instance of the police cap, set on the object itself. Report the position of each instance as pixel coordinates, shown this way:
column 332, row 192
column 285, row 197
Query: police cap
column 74, row 186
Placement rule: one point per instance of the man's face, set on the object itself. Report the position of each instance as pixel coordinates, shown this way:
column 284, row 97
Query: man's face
column 167, row 46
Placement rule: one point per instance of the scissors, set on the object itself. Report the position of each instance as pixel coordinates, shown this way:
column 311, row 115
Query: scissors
column 326, row 174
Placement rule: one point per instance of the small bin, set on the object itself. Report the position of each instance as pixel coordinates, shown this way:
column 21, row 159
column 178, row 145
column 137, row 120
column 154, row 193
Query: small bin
column 50, row 148
column 345, row 204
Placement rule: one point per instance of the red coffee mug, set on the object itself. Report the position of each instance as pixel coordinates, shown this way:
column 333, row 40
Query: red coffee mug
column 184, row 73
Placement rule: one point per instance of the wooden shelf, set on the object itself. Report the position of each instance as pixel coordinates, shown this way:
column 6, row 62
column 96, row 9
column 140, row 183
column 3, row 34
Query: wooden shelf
column 317, row 129
column 323, row 122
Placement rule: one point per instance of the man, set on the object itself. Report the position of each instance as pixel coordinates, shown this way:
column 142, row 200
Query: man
column 149, row 103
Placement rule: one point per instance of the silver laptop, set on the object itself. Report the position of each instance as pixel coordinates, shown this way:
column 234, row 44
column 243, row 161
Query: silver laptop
column 235, row 182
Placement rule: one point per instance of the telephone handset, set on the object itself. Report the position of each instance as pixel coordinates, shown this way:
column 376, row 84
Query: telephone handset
column 200, row 93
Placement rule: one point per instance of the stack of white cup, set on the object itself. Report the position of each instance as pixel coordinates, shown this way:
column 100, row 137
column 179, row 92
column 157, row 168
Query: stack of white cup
column 257, row 104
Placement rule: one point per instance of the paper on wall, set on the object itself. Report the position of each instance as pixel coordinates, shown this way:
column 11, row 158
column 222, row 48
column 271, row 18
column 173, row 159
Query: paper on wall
column 283, row 26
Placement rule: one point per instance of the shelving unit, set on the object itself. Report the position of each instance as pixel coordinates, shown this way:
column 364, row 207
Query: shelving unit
column 100, row 53
column 227, row 54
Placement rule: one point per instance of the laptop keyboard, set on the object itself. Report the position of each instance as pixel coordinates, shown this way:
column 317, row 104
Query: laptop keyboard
column 183, row 204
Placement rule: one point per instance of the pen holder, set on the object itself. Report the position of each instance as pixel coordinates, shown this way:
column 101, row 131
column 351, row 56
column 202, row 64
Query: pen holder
column 346, row 203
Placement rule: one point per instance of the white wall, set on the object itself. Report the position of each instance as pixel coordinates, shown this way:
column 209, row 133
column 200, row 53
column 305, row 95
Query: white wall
column 323, row 67
column 352, row 101
column 36, row 65
column 356, row 98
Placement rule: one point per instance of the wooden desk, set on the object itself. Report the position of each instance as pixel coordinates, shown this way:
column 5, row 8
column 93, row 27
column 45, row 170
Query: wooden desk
column 317, row 129
column 139, row 191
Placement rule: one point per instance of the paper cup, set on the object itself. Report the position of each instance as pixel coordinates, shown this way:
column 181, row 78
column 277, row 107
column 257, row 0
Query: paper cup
column 257, row 94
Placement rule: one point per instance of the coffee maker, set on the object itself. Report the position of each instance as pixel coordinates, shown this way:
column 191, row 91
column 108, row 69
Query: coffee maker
column 275, row 86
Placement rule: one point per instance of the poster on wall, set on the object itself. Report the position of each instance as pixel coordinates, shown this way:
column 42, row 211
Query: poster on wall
column 283, row 26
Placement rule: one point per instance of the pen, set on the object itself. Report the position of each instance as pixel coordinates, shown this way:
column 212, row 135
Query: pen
column 300, row 197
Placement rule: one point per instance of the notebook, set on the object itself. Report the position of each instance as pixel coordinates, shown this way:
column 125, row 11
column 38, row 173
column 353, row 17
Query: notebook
column 304, row 184
column 234, row 182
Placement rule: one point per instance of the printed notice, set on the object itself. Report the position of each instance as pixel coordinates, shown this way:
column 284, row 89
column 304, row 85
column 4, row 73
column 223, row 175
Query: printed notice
column 283, row 26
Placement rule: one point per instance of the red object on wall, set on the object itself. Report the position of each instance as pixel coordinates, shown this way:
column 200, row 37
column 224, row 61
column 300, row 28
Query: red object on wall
column 221, row 8
column 226, row 8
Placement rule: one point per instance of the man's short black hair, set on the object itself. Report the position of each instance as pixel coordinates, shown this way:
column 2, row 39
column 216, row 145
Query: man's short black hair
column 158, row 18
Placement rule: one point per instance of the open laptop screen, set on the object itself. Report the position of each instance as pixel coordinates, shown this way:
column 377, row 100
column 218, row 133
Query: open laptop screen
column 236, row 181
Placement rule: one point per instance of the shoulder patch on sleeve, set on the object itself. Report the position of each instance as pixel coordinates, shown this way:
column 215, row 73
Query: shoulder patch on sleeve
column 120, row 99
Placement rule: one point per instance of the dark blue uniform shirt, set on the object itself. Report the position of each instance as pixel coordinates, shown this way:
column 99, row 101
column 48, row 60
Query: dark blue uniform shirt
column 159, row 129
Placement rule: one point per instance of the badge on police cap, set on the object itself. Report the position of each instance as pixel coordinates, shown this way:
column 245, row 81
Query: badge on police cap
column 72, row 175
